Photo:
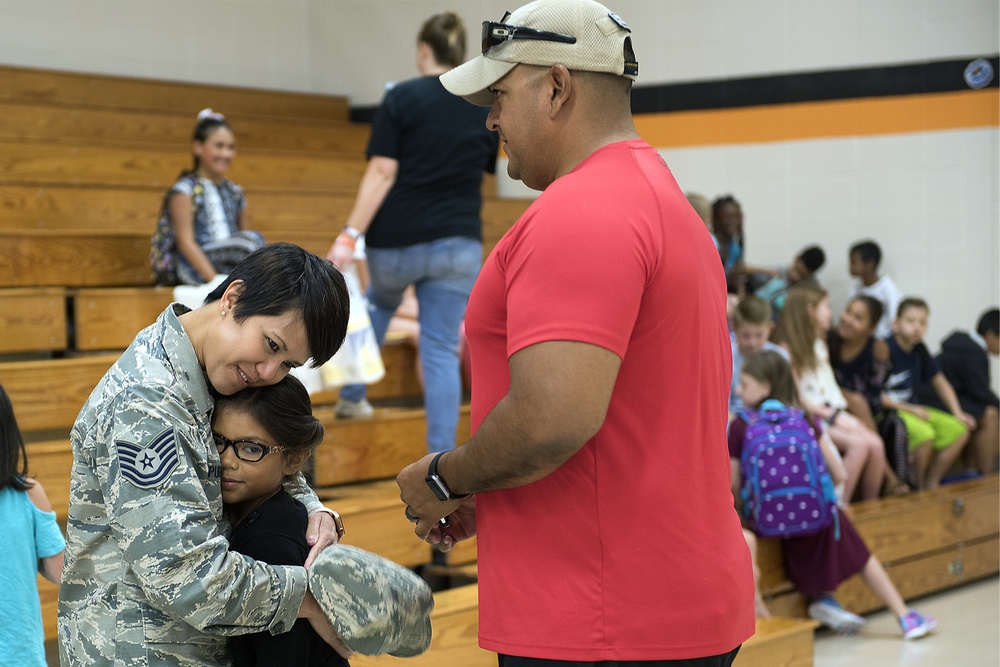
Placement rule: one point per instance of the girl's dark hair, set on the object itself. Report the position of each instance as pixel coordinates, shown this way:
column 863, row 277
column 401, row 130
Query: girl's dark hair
column 770, row 367
column 281, row 277
column 445, row 34
column 283, row 410
column 873, row 306
column 717, row 205
column 13, row 456
column 203, row 130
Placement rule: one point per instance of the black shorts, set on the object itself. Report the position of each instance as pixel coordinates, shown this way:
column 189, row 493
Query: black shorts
column 723, row 660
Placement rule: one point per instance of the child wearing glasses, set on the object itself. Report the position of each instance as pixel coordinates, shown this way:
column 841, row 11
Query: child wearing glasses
column 263, row 434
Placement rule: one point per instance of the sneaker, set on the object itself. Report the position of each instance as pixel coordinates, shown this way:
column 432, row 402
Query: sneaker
column 832, row 615
column 915, row 624
column 353, row 409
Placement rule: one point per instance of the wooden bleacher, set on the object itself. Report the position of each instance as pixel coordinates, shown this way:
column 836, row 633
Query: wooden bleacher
column 87, row 160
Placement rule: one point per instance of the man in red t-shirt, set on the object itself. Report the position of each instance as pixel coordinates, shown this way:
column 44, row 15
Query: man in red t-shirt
column 601, row 367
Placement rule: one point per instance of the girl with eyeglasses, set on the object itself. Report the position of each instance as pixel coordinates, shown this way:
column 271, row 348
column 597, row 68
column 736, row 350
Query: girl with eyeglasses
column 264, row 434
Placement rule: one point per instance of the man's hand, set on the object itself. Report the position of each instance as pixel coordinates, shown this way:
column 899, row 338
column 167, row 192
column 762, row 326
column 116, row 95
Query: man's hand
column 324, row 529
column 422, row 506
column 461, row 526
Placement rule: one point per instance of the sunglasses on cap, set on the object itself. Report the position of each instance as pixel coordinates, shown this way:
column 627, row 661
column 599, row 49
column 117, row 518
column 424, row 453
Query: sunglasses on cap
column 495, row 32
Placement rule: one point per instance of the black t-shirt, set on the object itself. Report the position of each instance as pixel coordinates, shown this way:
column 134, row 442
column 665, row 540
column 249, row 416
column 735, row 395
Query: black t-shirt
column 275, row 533
column 910, row 370
column 443, row 147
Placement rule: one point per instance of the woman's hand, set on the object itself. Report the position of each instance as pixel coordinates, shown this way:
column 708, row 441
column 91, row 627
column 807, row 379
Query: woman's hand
column 341, row 254
column 311, row 611
column 325, row 528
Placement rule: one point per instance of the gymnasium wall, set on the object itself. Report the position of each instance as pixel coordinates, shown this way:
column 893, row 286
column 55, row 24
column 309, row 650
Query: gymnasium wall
column 827, row 119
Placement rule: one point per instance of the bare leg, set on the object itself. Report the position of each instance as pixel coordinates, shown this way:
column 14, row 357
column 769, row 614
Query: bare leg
column 864, row 456
column 878, row 580
column 943, row 461
column 874, row 473
column 921, row 455
column 984, row 443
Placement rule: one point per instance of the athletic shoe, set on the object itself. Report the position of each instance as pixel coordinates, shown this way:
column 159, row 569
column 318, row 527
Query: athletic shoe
column 354, row 409
column 915, row 624
column 832, row 615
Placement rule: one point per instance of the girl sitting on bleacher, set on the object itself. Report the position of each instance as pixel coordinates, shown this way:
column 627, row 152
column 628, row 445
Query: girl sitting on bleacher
column 802, row 328
column 817, row 558
column 202, row 231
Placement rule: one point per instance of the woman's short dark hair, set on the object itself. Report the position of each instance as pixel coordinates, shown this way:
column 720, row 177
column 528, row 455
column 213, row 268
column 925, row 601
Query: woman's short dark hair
column 283, row 410
column 281, row 277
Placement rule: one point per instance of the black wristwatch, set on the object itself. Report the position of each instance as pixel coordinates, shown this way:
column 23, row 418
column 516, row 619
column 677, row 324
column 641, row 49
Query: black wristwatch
column 437, row 484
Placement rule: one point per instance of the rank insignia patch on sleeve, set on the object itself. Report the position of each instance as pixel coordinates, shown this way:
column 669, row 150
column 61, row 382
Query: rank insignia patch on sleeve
column 147, row 466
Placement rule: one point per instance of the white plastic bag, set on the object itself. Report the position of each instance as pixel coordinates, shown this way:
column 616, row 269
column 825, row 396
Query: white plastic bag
column 359, row 360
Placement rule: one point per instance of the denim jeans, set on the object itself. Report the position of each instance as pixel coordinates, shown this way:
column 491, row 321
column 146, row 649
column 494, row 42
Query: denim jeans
column 443, row 273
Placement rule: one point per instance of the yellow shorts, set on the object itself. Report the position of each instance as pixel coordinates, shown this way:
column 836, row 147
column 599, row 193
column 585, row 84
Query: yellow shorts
column 942, row 428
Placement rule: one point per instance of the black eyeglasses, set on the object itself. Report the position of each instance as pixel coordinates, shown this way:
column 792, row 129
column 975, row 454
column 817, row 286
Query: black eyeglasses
column 499, row 32
column 246, row 450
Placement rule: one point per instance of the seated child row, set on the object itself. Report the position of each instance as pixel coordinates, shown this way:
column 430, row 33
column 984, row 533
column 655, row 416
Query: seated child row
column 900, row 417
column 784, row 467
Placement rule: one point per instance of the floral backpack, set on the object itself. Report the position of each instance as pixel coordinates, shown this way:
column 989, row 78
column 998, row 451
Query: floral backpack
column 163, row 244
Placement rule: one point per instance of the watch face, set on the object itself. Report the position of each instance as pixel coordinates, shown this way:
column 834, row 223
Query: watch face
column 437, row 487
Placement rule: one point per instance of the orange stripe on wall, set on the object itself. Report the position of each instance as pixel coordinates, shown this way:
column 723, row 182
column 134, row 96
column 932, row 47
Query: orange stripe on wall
column 812, row 120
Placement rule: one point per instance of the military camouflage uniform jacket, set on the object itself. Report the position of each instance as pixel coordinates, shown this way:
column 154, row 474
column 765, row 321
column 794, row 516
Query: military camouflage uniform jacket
column 149, row 578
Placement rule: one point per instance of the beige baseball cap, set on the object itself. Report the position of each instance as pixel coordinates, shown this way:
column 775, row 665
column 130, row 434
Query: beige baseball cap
column 580, row 34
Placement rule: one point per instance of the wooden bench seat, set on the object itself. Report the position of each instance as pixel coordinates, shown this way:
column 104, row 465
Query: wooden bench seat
column 50, row 123
column 108, row 318
column 48, row 394
column 110, row 210
column 126, row 93
column 40, row 163
column 362, row 449
column 32, row 319
column 374, row 520
column 779, row 641
column 928, row 541
column 42, row 243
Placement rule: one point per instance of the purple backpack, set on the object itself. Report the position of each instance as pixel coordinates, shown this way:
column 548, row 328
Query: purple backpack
column 786, row 491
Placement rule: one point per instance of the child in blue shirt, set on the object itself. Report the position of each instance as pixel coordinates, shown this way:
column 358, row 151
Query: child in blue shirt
column 32, row 543
column 936, row 437
column 752, row 326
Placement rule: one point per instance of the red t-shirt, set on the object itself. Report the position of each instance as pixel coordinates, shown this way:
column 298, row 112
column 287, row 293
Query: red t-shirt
column 632, row 550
